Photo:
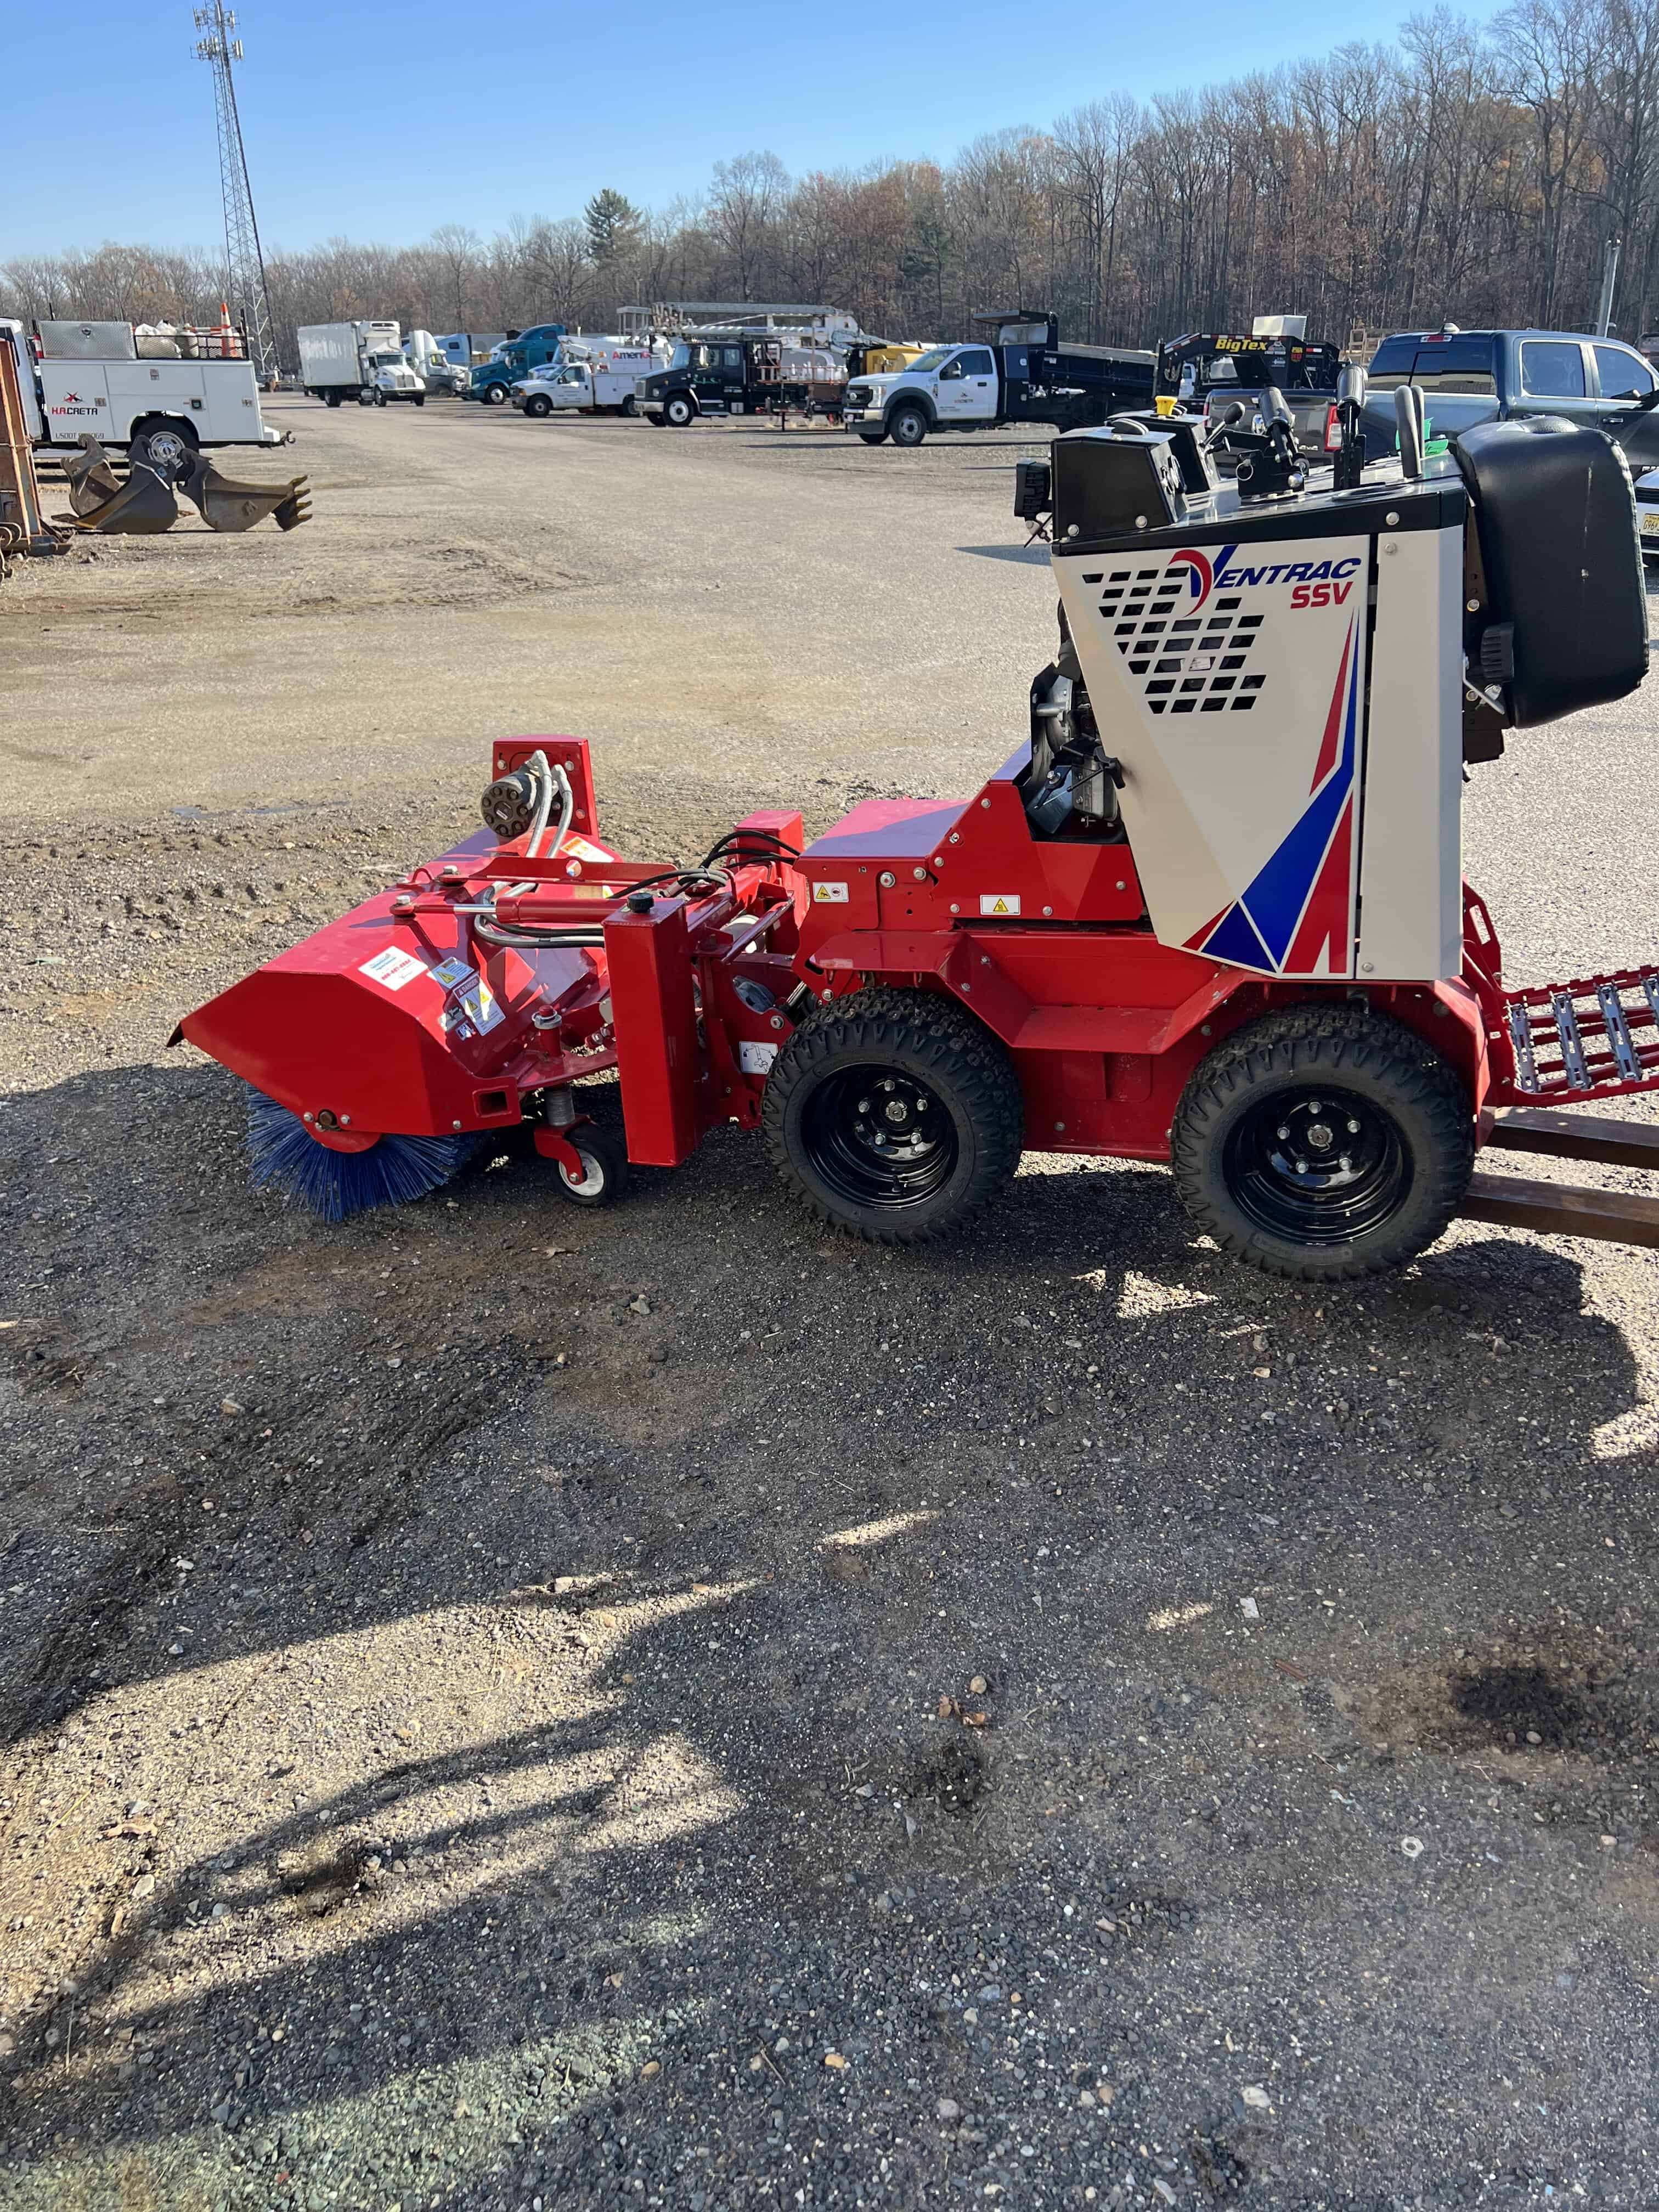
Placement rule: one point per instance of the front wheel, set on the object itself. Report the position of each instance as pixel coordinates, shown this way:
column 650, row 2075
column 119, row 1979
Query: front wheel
column 894, row 1114
column 538, row 404
column 1324, row 1143
column 604, row 1165
column 494, row 395
column 872, row 437
column 420, row 399
column 681, row 411
column 907, row 426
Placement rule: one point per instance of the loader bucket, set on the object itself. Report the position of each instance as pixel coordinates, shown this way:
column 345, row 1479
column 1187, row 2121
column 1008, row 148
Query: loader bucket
column 143, row 506
column 91, row 479
column 226, row 504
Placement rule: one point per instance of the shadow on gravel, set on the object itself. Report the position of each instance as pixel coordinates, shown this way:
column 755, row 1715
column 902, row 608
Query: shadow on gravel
column 507, row 1649
column 1029, row 556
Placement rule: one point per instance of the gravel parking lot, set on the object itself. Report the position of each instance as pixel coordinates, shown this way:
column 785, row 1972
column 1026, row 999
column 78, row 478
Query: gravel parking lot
column 508, row 1706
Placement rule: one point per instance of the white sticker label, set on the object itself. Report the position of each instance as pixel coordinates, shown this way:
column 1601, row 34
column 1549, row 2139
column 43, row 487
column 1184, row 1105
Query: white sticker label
column 449, row 973
column 394, row 968
column 998, row 903
column 756, row 1059
column 829, row 894
column 481, row 1007
column 584, row 851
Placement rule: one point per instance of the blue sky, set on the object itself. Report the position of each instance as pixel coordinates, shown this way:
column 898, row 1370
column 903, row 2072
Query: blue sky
column 381, row 122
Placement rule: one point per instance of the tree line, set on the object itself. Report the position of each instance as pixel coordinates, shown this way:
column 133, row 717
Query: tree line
column 1461, row 173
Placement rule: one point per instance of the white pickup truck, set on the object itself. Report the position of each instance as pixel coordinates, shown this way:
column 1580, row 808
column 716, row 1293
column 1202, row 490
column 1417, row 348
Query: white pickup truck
column 137, row 390
column 604, row 385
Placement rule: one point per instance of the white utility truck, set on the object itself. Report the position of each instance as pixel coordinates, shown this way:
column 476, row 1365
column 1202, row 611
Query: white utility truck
column 162, row 396
column 363, row 362
column 601, row 381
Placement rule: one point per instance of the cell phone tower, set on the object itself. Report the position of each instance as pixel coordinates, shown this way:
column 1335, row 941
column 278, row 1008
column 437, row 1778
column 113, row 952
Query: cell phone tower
column 244, row 264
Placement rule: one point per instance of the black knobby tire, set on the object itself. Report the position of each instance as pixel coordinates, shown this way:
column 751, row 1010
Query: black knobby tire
column 1324, row 1143
column 907, row 426
column 606, row 1163
column 895, row 1114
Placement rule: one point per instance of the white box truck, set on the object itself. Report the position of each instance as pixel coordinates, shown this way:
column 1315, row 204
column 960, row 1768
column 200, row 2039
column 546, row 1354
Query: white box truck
column 76, row 377
column 362, row 361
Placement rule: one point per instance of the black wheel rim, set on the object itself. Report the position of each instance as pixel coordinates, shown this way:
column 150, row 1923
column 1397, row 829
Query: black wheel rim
column 1316, row 1165
column 878, row 1139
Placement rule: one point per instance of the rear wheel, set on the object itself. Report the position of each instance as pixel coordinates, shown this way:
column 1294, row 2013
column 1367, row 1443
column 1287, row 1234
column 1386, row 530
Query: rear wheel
column 680, row 411
column 604, row 1165
column 332, row 400
column 365, row 397
column 1324, row 1143
column 894, row 1114
column 907, row 426
column 168, row 447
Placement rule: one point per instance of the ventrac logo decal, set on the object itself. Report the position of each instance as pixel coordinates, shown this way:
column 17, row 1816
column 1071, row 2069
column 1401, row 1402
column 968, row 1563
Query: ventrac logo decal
column 1313, row 583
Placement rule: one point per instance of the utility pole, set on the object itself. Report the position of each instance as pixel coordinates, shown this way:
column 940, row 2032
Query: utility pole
column 244, row 264
column 1609, row 276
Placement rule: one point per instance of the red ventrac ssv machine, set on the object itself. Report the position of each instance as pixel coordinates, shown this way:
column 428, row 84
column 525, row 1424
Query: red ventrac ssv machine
column 1210, row 911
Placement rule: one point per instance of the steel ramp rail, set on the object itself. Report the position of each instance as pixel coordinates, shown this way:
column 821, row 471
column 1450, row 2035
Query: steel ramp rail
column 1595, row 1039
column 1556, row 1209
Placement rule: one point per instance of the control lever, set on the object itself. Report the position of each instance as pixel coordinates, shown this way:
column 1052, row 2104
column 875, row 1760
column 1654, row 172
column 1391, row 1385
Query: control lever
column 1349, row 469
column 1408, row 419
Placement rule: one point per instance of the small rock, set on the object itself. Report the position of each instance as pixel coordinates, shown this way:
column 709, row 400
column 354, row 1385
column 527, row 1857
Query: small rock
column 978, row 1686
column 222, row 2113
column 220, row 1912
column 991, row 1994
column 640, row 1305
column 650, row 2069
column 228, row 1406
column 1164, row 2189
column 833, row 2058
column 145, row 1885
column 1256, row 2096
column 948, row 2109
column 1533, row 1736
column 1250, row 1608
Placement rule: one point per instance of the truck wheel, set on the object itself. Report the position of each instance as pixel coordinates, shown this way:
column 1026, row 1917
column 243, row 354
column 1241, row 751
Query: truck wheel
column 872, row 437
column 168, row 447
column 1324, row 1143
column 628, row 406
column 907, row 426
column 538, row 404
column 420, row 399
column 680, row 411
column 366, row 397
column 333, row 399
column 494, row 395
column 894, row 1114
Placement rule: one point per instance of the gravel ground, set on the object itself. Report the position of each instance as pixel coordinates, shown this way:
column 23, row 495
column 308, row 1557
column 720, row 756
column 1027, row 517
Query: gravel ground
column 507, row 1705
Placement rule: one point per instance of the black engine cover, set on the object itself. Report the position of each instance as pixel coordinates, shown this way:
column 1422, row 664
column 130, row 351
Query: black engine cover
column 1556, row 519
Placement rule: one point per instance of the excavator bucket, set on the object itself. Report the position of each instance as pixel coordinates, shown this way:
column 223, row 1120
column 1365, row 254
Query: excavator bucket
column 92, row 481
column 226, row 504
column 142, row 506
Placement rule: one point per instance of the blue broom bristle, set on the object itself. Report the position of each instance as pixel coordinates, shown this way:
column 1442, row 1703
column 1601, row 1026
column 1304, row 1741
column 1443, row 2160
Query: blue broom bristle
column 393, row 1171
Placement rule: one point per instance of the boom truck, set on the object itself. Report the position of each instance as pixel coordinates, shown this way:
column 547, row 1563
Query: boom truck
column 164, row 396
column 1020, row 373
column 360, row 361
column 1210, row 911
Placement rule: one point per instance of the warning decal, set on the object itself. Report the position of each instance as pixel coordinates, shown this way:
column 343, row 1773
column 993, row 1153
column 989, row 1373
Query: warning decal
column 584, row 851
column 829, row 894
column 998, row 902
column 394, row 966
column 449, row 973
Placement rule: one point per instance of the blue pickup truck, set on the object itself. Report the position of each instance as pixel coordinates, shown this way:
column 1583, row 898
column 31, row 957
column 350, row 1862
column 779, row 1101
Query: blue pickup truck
column 1481, row 376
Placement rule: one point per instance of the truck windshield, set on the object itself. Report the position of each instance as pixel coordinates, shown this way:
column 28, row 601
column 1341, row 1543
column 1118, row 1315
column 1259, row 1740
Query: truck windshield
column 930, row 363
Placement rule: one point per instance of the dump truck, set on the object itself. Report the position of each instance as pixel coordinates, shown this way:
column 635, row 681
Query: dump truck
column 142, row 393
column 1020, row 373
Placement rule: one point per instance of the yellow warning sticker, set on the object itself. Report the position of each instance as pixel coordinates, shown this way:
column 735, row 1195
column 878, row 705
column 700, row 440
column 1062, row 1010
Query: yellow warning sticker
column 998, row 902
column 829, row 894
column 586, row 851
